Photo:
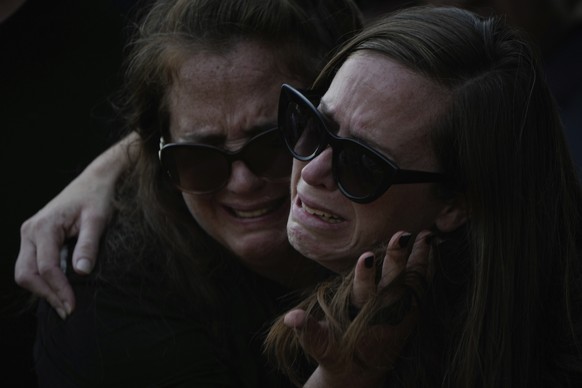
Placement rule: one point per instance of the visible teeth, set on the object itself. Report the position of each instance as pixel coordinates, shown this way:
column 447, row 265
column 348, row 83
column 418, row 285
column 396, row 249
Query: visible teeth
column 251, row 213
column 323, row 215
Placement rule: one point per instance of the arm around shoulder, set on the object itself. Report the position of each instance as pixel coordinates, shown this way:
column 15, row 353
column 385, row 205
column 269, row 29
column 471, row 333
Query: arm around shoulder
column 81, row 210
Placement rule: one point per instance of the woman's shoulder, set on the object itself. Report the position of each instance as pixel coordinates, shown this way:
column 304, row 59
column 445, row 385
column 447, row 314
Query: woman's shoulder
column 131, row 335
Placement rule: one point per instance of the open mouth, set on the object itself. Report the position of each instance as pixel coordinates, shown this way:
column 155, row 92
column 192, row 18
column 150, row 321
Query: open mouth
column 327, row 217
column 256, row 213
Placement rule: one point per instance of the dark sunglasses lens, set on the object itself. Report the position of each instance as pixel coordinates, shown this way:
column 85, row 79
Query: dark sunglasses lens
column 360, row 173
column 302, row 130
column 266, row 156
column 194, row 169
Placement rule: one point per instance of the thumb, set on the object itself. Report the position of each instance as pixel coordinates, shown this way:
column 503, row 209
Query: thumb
column 312, row 334
column 87, row 246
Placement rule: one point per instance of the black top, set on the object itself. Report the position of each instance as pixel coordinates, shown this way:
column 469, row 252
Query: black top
column 134, row 327
column 139, row 335
column 59, row 62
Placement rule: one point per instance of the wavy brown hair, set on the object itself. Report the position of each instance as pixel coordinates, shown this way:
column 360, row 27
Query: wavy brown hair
column 503, row 307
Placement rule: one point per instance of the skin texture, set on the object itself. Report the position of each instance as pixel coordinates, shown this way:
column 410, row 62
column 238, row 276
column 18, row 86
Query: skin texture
column 334, row 373
column 378, row 101
column 219, row 99
column 43, row 238
column 223, row 100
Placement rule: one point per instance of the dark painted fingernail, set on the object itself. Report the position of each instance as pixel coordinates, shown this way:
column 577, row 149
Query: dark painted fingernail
column 404, row 240
column 369, row 261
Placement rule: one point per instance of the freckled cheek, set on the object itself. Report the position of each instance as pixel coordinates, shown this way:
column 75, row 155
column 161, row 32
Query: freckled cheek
column 378, row 221
column 405, row 208
column 367, row 233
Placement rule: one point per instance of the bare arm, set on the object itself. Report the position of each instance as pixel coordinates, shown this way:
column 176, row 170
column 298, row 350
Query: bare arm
column 81, row 210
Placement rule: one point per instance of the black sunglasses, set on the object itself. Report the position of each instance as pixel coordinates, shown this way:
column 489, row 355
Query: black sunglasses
column 361, row 173
column 203, row 169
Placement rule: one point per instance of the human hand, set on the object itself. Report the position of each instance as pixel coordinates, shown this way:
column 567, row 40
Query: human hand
column 81, row 210
column 380, row 341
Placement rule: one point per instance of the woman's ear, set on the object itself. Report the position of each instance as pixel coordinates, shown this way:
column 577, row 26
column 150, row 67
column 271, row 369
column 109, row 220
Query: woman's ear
column 453, row 214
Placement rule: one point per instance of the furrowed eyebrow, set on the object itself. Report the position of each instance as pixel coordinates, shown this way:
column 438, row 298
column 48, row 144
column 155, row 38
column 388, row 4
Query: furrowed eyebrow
column 332, row 125
column 218, row 140
column 254, row 131
column 335, row 127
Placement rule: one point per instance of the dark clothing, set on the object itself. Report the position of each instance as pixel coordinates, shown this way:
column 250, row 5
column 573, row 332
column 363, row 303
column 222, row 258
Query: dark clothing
column 153, row 315
column 128, row 333
column 562, row 62
column 59, row 60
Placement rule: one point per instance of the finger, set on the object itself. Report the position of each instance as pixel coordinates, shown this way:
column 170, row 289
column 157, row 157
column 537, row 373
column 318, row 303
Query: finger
column 38, row 264
column 50, row 242
column 62, row 296
column 418, row 262
column 27, row 276
column 295, row 319
column 55, row 278
column 87, row 246
column 47, row 240
column 312, row 334
column 364, row 280
column 395, row 258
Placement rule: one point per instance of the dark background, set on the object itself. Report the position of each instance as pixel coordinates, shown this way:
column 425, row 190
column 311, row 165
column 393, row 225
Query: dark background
column 60, row 61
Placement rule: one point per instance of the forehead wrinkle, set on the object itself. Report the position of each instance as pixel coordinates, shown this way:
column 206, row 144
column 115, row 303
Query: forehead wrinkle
column 359, row 128
column 408, row 102
column 240, row 77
